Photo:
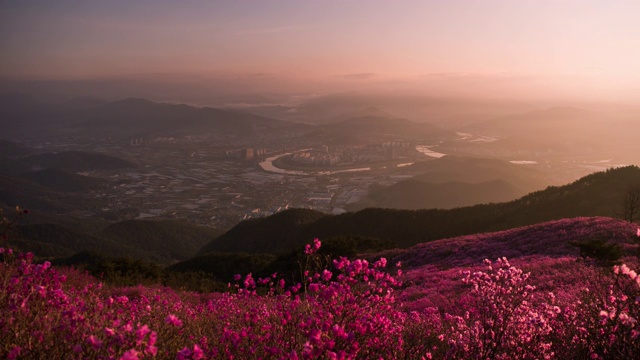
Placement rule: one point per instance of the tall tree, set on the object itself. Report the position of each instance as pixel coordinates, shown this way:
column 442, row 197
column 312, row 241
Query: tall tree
column 631, row 203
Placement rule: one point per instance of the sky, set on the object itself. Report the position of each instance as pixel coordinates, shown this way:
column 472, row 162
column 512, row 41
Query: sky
column 568, row 46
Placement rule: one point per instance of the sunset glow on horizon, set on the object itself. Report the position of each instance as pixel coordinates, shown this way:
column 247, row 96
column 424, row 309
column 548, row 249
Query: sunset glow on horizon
column 566, row 45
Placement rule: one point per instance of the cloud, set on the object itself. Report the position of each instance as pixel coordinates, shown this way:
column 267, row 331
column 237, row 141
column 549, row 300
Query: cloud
column 358, row 76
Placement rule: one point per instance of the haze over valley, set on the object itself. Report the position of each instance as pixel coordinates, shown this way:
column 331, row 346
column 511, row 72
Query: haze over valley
column 218, row 165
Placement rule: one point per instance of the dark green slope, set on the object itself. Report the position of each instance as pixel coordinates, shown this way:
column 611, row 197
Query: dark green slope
column 599, row 194
column 279, row 232
column 11, row 149
column 30, row 195
column 225, row 265
column 52, row 240
column 162, row 241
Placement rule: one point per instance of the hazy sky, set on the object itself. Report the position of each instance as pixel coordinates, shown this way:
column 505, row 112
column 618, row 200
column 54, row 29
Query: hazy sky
column 564, row 44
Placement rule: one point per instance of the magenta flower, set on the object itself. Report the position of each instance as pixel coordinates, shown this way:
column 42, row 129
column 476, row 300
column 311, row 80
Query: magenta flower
column 183, row 354
column 14, row 353
column 130, row 355
column 197, row 352
column 326, row 275
column 173, row 320
column 153, row 350
column 94, row 342
column 109, row 331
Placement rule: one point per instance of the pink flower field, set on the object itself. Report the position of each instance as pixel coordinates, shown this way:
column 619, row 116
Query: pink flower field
column 448, row 302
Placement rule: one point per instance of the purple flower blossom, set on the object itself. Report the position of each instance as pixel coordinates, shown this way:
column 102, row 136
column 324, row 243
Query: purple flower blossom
column 130, row 355
column 173, row 320
column 528, row 307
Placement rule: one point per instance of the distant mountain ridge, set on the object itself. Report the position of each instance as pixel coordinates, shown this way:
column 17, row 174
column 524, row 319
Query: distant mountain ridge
column 145, row 116
column 39, row 181
column 127, row 117
column 452, row 181
column 415, row 194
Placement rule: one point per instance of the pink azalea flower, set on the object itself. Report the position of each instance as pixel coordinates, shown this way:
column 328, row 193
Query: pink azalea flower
column 130, row 355
column 326, row 275
column 197, row 352
column 153, row 350
column 14, row 353
column 94, row 342
column 183, row 354
column 173, row 320
column 142, row 332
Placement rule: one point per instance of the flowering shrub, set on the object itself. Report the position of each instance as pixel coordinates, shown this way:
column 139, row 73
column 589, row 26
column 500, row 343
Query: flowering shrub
column 499, row 321
column 347, row 310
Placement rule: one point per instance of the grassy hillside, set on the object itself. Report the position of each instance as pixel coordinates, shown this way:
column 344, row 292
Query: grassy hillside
column 599, row 194
column 552, row 239
column 549, row 251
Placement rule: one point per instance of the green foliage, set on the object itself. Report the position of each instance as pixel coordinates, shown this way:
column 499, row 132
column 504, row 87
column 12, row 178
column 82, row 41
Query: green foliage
column 351, row 245
column 223, row 266
column 118, row 271
column 160, row 241
column 600, row 250
column 164, row 241
column 124, row 271
column 276, row 233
